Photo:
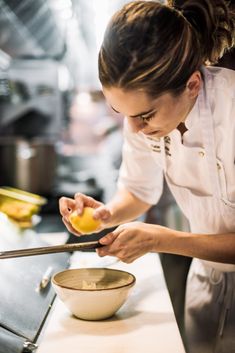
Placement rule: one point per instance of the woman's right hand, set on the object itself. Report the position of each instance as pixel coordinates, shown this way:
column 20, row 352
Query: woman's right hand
column 68, row 205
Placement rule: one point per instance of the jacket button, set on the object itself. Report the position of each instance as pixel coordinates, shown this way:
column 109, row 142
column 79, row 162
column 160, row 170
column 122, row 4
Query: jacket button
column 201, row 153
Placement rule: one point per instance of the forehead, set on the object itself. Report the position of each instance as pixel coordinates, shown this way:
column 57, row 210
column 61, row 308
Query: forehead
column 130, row 102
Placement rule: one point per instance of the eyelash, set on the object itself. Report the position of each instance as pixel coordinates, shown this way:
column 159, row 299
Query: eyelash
column 150, row 117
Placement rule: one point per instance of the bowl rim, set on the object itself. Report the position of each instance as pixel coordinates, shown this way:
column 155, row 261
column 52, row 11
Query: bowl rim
column 133, row 281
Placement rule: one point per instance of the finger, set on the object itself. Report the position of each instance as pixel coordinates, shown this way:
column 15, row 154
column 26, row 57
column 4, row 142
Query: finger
column 70, row 228
column 102, row 213
column 79, row 202
column 82, row 200
column 66, row 205
column 104, row 251
column 129, row 260
column 108, row 238
column 100, row 252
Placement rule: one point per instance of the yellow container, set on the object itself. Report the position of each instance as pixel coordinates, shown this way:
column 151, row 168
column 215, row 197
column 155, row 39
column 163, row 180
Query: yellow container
column 20, row 206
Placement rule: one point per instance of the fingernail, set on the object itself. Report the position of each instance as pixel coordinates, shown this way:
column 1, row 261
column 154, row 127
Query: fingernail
column 99, row 252
column 103, row 240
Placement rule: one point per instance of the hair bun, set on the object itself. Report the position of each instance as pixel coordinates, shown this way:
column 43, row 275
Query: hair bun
column 214, row 23
column 175, row 4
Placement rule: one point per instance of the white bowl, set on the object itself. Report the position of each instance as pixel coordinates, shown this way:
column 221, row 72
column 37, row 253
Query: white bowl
column 93, row 293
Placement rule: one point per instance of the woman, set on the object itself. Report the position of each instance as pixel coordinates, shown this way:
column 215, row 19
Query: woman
column 179, row 124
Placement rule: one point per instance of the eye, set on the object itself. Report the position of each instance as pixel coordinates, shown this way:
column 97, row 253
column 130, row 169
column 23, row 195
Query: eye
column 148, row 118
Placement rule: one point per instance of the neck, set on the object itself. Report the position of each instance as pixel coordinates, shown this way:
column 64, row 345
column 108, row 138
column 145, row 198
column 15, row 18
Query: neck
column 181, row 127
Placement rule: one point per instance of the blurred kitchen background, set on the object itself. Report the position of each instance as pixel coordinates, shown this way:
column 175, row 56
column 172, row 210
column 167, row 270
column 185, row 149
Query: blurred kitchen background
column 57, row 135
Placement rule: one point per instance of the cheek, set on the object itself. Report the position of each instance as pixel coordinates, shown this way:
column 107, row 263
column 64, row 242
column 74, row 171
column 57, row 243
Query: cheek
column 160, row 121
column 169, row 117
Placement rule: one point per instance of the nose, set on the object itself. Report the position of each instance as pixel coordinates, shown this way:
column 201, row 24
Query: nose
column 136, row 124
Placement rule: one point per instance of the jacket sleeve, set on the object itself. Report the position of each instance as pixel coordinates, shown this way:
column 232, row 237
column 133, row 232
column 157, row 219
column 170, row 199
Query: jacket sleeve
column 139, row 173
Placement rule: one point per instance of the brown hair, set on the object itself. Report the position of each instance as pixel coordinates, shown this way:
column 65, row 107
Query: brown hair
column 157, row 47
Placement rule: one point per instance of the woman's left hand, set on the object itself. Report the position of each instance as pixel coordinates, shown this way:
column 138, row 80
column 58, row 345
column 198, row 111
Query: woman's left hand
column 131, row 240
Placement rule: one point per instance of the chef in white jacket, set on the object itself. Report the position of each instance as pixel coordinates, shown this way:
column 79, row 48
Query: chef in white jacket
column 179, row 125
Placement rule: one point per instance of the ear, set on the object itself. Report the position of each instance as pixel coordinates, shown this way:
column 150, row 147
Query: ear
column 194, row 83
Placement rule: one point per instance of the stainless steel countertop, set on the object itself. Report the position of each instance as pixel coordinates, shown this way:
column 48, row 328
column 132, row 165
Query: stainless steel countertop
column 146, row 322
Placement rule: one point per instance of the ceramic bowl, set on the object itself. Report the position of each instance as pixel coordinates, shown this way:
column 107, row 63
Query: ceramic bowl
column 93, row 293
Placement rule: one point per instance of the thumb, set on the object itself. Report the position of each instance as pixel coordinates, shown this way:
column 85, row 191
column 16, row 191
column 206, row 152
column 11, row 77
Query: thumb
column 109, row 238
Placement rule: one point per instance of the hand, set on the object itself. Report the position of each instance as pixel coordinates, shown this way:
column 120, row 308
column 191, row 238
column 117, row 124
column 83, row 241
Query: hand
column 131, row 240
column 68, row 205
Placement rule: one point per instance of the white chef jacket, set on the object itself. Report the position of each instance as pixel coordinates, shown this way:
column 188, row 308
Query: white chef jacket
column 142, row 165
column 200, row 171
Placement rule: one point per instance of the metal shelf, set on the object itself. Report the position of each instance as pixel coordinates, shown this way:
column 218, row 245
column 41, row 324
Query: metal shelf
column 30, row 30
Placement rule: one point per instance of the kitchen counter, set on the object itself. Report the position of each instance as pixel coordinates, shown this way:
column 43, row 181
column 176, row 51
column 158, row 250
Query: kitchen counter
column 146, row 322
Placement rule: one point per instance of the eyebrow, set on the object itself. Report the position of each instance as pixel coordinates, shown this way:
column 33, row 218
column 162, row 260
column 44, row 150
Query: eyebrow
column 137, row 115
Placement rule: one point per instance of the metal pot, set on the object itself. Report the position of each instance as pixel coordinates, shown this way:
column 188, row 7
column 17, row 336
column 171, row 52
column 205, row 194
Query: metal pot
column 28, row 165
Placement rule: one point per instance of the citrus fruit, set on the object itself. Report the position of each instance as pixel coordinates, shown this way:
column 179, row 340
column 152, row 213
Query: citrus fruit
column 84, row 223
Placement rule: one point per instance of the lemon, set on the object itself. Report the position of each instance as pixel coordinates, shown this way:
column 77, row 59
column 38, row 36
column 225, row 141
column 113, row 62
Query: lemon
column 84, row 223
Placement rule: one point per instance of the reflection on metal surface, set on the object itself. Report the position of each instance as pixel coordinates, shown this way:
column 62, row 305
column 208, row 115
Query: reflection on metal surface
column 30, row 346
